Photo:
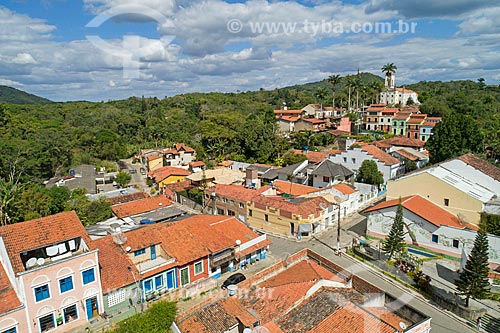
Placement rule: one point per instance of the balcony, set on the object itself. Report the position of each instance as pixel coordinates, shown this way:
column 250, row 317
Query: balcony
column 53, row 253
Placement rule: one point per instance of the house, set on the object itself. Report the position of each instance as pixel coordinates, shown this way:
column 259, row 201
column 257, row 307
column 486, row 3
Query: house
column 141, row 206
column 154, row 162
column 294, row 172
column 399, row 123
column 463, row 186
column 427, row 128
column 196, row 166
column 432, row 227
column 287, row 123
column 292, row 189
column 304, row 293
column 168, row 175
column 310, row 124
column 353, row 158
column 413, row 125
column 288, row 113
column 344, row 126
column 398, row 142
column 217, row 176
column 411, row 154
column 328, row 173
column 166, row 257
column 52, row 268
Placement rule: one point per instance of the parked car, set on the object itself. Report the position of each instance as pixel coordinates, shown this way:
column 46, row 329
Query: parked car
column 233, row 279
column 143, row 171
column 132, row 171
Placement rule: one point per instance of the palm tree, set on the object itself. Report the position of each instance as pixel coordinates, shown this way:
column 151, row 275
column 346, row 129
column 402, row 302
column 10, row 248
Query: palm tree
column 376, row 87
column 320, row 94
column 334, row 80
column 358, row 86
column 350, row 83
column 389, row 69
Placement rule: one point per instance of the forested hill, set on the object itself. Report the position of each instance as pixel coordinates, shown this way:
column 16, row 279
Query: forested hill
column 16, row 96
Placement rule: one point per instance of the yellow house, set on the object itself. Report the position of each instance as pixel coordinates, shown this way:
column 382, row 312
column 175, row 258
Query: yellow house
column 168, row 175
column 155, row 162
column 462, row 186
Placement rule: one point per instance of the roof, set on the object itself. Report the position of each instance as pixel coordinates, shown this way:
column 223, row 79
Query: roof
column 379, row 154
column 236, row 192
column 329, row 169
column 154, row 157
column 312, row 156
column 114, row 264
column 423, row 208
column 406, row 154
column 127, row 197
column 196, row 164
column 479, row 164
column 403, row 142
column 277, row 112
column 403, row 89
column 45, row 231
column 293, row 188
column 401, row 116
column 314, row 120
column 304, row 207
column 344, row 188
column 289, row 118
column 164, row 172
column 181, row 146
column 416, row 119
column 140, row 206
column 8, row 297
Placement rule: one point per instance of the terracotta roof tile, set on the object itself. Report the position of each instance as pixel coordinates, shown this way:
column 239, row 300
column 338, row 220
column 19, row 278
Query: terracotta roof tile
column 309, row 206
column 289, row 118
column 154, row 157
column 293, row 188
column 140, row 206
column 45, row 231
column 288, row 111
column 403, row 142
column 314, row 120
column 406, row 154
column 236, row 192
column 113, row 265
column 181, row 146
column 8, row 297
column 484, row 166
column 344, row 188
column 423, row 208
column 381, row 155
column 196, row 164
column 272, row 327
column 313, row 156
column 127, row 198
column 164, row 172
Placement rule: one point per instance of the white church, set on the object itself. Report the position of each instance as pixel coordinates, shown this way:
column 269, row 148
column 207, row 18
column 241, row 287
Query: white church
column 393, row 95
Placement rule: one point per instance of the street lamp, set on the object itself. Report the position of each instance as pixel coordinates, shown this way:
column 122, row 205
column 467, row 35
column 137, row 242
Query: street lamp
column 338, row 230
column 137, row 286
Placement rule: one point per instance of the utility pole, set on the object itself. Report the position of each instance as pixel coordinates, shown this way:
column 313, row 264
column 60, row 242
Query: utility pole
column 338, row 231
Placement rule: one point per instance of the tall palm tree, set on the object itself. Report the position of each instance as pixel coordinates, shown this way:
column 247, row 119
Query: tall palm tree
column 334, row 80
column 350, row 83
column 358, row 86
column 376, row 87
column 320, row 94
column 389, row 69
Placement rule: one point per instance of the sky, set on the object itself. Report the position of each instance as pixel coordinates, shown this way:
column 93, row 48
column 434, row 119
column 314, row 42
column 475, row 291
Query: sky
column 99, row 50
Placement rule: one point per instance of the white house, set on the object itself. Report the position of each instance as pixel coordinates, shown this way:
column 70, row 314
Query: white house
column 431, row 227
column 352, row 158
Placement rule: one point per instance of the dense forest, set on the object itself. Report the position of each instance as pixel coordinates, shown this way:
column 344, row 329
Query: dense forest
column 42, row 140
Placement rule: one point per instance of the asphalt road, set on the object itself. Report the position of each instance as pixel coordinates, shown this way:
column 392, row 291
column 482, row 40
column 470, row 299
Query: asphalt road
column 442, row 321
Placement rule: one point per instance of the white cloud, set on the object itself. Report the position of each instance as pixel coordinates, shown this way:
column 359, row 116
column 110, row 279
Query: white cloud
column 24, row 59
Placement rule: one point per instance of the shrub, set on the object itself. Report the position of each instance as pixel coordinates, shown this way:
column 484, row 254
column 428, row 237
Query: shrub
column 158, row 318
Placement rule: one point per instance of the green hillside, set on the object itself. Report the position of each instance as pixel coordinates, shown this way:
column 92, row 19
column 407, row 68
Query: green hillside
column 16, row 96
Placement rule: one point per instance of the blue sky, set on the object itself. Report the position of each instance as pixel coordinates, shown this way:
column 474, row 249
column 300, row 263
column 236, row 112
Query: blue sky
column 166, row 47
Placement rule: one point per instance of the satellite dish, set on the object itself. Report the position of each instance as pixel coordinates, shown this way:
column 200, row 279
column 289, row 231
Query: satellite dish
column 31, row 262
column 128, row 248
column 119, row 238
column 40, row 261
column 402, row 325
column 238, row 242
column 260, row 329
column 247, row 330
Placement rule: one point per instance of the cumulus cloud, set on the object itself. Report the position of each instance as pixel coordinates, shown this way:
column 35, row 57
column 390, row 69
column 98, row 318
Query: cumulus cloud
column 24, row 59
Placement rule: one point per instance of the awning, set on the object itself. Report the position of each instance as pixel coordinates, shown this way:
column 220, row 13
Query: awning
column 305, row 227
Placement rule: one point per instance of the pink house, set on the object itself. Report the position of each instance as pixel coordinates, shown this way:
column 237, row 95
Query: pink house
column 52, row 268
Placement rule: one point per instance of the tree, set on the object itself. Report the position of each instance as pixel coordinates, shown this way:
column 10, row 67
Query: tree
column 158, row 318
column 394, row 243
column 389, row 70
column 490, row 223
column 123, row 179
column 320, row 94
column 368, row 173
column 473, row 280
column 334, row 80
column 455, row 135
column 350, row 83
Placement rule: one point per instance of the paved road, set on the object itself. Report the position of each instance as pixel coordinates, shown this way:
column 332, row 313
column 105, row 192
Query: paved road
column 442, row 320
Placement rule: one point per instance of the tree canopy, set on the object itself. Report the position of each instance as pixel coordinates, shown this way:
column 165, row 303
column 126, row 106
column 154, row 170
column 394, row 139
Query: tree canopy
column 368, row 173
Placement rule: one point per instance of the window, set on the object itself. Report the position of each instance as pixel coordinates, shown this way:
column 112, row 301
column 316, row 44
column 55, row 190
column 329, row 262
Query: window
column 46, row 322
column 70, row 313
column 353, row 160
column 242, row 205
column 455, row 243
column 10, row 330
column 88, row 276
column 326, row 179
column 231, row 202
column 184, row 276
column 148, row 286
column 42, row 293
column 446, row 202
column 66, row 284
column 220, row 211
column 116, row 298
column 250, row 212
column 139, row 252
column 159, row 281
column 152, row 249
column 230, row 213
column 435, row 238
column 266, row 217
column 198, row 268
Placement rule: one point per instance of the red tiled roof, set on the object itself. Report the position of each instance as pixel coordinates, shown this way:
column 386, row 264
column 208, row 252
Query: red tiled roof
column 8, row 297
column 314, row 120
column 24, row 236
column 338, row 132
column 164, row 172
column 181, row 146
column 127, row 198
column 289, row 118
column 113, row 265
column 334, row 151
column 140, row 206
column 484, row 166
column 405, row 90
column 406, row 154
column 429, row 124
column 293, row 188
column 272, row 327
column 423, row 208
column 154, row 157
column 310, row 206
column 344, row 188
column 197, row 164
column 313, row 156
column 277, row 112
column 403, row 142
column 416, row 119
column 236, row 192
column 379, row 154
column 389, row 317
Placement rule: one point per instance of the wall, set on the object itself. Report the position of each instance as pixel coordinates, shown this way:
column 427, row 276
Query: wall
column 359, row 156
column 129, row 292
column 435, row 190
column 51, row 274
column 16, row 319
column 171, row 179
column 155, row 164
